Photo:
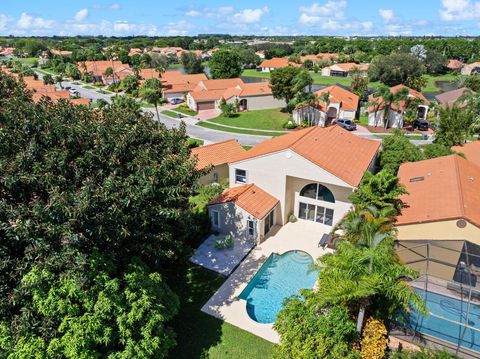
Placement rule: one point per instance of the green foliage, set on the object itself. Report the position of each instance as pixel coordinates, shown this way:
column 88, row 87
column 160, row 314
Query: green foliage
column 454, row 126
column 191, row 62
column 434, row 150
column 472, row 82
column 423, row 354
column 248, row 58
column 381, row 191
column 416, row 82
column 397, row 149
column 93, row 210
column 435, row 62
column 150, row 92
column 287, row 82
column 224, row 243
column 48, row 79
column 130, row 83
column 309, row 331
column 72, row 71
column 228, row 109
column 225, row 64
column 359, row 85
column 395, row 69
column 290, row 125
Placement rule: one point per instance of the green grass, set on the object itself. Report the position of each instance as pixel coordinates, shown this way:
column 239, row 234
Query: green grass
column 169, row 113
column 88, row 87
column 258, row 119
column 195, row 141
column 186, row 110
column 431, row 79
column 104, row 92
column 363, row 120
column 247, row 147
column 77, row 83
column 241, row 131
column 202, row 336
column 27, row 60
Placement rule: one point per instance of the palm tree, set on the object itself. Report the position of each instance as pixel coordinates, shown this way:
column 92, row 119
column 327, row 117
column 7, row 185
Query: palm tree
column 384, row 98
column 151, row 92
column 109, row 73
column 110, row 53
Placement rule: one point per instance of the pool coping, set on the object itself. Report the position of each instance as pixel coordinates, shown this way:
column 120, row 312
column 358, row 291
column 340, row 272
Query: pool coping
column 226, row 305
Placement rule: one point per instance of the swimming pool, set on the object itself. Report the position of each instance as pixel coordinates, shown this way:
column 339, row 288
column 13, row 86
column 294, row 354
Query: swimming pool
column 452, row 309
column 280, row 277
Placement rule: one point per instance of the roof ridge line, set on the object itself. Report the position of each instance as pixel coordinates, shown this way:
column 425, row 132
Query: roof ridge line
column 459, row 184
column 301, row 138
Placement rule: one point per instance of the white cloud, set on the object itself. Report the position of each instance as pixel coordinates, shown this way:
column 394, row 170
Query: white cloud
column 4, row 21
column 386, row 14
column 178, row 28
column 249, row 16
column 81, row 15
column 317, row 14
column 30, row 22
column 458, row 10
column 114, row 6
column 218, row 12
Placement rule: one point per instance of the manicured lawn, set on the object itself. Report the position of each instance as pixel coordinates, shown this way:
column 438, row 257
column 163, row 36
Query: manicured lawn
column 103, row 92
column 27, row 60
column 88, row 87
column 363, row 120
column 202, row 336
column 169, row 113
column 185, row 110
column 258, row 119
column 235, row 130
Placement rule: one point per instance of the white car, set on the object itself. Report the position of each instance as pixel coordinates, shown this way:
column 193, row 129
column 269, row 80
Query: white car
column 74, row 92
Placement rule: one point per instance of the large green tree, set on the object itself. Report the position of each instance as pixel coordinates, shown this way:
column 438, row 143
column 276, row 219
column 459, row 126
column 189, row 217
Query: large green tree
column 191, row 62
column 398, row 149
column 289, row 82
column 454, row 126
column 395, row 69
column 93, row 213
column 225, row 64
column 151, row 92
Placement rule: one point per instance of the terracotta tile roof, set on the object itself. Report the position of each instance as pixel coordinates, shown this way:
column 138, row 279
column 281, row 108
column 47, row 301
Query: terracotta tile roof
column 206, row 90
column 220, row 84
column 250, row 198
column 348, row 100
column 217, row 154
column 98, row 68
column 60, row 52
column 313, row 58
column 209, row 95
column 443, row 188
column 349, row 66
column 450, row 98
column 402, row 105
column 278, row 62
column 134, row 51
column 334, row 149
column 328, row 56
column 455, row 64
column 7, row 51
column 255, row 89
column 147, row 74
column 471, row 150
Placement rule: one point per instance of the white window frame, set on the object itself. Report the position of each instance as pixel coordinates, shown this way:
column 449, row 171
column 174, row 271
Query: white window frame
column 252, row 222
column 215, row 177
column 236, row 176
column 316, row 211
column 216, row 215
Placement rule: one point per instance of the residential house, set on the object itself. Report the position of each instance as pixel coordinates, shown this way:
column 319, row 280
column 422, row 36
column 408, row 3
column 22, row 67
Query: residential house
column 308, row 174
column 7, row 52
column 451, row 98
column 470, row 150
column 261, row 54
column 176, row 84
column 441, row 192
column 328, row 57
column 320, row 59
column 455, row 64
column 471, row 69
column 341, row 104
column 134, row 51
column 396, row 111
column 98, row 68
column 218, row 156
column 345, row 69
column 40, row 90
column 208, row 95
column 276, row 63
column 61, row 52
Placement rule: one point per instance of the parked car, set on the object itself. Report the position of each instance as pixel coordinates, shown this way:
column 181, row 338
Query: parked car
column 346, row 124
column 74, row 92
column 421, row 125
column 175, row 100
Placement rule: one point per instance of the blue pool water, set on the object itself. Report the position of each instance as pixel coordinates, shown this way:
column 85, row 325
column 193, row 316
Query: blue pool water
column 280, row 277
column 452, row 309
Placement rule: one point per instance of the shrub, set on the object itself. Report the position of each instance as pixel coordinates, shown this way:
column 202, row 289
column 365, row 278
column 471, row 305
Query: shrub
column 304, row 124
column 292, row 218
column 375, row 340
column 290, row 125
column 224, row 243
column 423, row 354
column 98, row 84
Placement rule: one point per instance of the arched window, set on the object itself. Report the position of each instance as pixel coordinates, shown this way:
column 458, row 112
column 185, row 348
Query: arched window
column 317, row 191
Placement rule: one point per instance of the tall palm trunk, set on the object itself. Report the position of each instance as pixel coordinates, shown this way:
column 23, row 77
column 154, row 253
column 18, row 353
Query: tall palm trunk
column 385, row 115
column 361, row 315
column 156, row 109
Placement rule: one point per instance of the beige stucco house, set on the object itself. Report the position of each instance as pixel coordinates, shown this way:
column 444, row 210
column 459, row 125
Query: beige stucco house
column 208, row 95
column 308, row 173
column 216, row 156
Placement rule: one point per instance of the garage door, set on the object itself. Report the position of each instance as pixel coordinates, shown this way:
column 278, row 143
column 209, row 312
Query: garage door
column 206, row 105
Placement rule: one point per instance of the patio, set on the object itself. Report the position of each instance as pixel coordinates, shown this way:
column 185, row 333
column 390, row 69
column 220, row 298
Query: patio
column 222, row 261
column 226, row 305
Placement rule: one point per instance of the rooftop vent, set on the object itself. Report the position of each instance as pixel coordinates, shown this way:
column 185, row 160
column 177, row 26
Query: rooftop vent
column 417, row 179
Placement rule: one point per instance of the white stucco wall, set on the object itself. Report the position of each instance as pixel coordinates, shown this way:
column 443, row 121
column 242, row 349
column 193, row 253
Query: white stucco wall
column 270, row 173
column 375, row 119
column 347, row 115
column 260, row 102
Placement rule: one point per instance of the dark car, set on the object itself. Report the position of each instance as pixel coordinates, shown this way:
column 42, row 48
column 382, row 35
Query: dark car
column 421, row 125
column 347, row 124
column 175, row 101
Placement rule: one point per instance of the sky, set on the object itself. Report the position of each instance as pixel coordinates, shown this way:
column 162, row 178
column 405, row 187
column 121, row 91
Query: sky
column 247, row 17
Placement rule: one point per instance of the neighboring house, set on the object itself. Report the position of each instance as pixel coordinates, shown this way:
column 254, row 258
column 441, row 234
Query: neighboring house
column 376, row 112
column 41, row 90
column 471, row 69
column 471, row 151
column 7, row 52
column 314, row 58
column 308, row 173
column 250, row 96
column 61, row 52
column 134, row 51
column 328, row 57
column 455, row 65
column 451, row 98
column 320, row 59
column 345, row 69
column 218, row 155
column 276, row 63
column 98, row 68
column 341, row 104
column 441, row 191
column 261, row 54
column 177, row 84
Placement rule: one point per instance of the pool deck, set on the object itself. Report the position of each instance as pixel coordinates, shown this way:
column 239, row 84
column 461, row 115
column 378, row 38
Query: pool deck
column 226, row 305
